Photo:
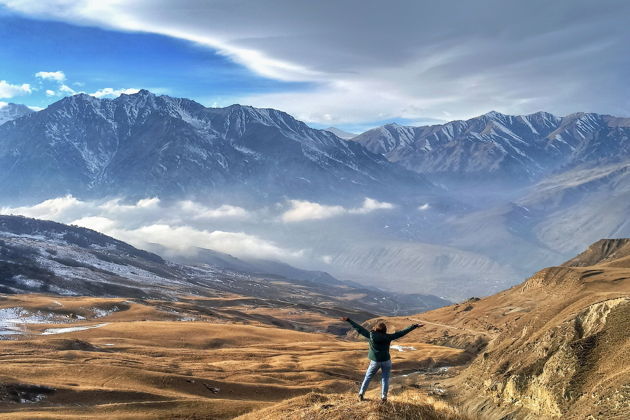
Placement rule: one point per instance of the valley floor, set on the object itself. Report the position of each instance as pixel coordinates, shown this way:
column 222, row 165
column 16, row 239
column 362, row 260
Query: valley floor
column 115, row 358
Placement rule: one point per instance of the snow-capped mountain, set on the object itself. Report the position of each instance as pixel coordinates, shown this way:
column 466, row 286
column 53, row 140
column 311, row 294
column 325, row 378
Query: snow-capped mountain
column 144, row 145
column 10, row 111
column 513, row 149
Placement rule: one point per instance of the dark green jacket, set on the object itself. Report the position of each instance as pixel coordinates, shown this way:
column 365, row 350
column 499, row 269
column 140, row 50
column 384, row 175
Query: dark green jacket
column 379, row 342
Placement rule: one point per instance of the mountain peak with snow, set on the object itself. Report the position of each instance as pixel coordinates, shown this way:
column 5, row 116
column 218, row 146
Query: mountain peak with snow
column 10, row 111
column 502, row 148
column 143, row 144
column 493, row 114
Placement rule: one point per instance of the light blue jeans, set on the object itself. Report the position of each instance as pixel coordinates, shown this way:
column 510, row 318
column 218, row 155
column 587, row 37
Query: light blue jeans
column 386, row 368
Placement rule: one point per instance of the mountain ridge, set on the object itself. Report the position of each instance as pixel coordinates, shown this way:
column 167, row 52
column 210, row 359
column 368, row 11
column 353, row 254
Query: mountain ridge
column 522, row 148
column 143, row 144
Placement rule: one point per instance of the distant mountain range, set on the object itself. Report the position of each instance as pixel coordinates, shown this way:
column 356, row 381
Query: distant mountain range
column 503, row 148
column 479, row 204
column 146, row 145
column 341, row 133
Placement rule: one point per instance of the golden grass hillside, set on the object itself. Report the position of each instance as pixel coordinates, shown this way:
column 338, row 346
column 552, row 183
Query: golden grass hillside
column 407, row 405
column 555, row 346
column 165, row 360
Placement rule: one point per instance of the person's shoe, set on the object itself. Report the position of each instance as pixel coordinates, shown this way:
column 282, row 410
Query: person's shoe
column 361, row 397
column 384, row 399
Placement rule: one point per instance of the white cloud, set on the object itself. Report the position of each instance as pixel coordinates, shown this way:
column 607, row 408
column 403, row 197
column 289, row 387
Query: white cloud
column 307, row 210
column 199, row 211
column 67, row 89
column 424, row 207
column 185, row 239
column 110, row 92
column 7, row 90
column 370, row 205
column 57, row 76
column 424, row 59
column 60, row 209
column 63, row 88
column 150, row 221
column 68, row 208
column 98, row 223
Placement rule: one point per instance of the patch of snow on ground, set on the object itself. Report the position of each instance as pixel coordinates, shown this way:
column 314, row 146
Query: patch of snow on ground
column 34, row 399
column 403, row 348
column 12, row 319
column 26, row 282
column 102, row 313
column 51, row 331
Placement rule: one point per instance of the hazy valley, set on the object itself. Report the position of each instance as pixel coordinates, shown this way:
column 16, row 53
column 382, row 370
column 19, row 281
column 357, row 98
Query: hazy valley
column 551, row 347
column 180, row 261
column 407, row 209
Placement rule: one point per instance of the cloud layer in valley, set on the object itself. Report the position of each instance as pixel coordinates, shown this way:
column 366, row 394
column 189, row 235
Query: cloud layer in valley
column 149, row 221
column 307, row 210
column 184, row 226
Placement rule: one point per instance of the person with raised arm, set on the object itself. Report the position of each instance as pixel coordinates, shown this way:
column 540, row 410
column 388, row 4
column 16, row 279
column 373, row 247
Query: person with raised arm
column 379, row 342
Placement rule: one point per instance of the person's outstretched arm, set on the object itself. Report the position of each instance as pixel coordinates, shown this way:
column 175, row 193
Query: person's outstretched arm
column 404, row 332
column 365, row 333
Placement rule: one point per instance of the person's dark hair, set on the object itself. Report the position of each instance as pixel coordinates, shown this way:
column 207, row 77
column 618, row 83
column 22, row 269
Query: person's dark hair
column 380, row 328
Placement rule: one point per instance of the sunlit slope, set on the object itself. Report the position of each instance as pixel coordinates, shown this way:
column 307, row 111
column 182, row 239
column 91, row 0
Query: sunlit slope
column 116, row 358
column 407, row 405
column 556, row 345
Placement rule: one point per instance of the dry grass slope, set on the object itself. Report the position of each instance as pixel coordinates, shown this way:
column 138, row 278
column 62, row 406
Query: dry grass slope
column 408, row 405
column 196, row 359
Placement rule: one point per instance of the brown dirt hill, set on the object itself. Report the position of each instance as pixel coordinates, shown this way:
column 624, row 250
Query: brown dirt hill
column 555, row 346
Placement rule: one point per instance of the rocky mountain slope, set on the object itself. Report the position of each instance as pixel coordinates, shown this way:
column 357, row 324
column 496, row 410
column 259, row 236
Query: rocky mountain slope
column 554, row 346
column 11, row 111
column 46, row 257
column 498, row 147
column 144, row 145
column 548, row 186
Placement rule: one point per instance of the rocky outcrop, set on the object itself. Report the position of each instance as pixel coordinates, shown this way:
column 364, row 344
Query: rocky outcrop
column 567, row 356
column 605, row 250
column 549, row 375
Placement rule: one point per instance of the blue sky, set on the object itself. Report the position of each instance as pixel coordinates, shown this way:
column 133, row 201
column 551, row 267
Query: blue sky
column 93, row 59
column 353, row 64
